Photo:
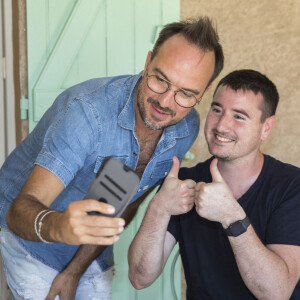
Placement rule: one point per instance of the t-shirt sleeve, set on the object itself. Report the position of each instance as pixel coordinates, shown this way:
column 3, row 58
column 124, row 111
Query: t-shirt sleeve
column 173, row 226
column 71, row 137
column 284, row 223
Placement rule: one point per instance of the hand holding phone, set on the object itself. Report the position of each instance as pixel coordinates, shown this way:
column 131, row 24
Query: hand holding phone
column 115, row 184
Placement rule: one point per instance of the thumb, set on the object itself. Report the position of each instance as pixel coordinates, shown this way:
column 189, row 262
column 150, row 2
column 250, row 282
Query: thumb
column 175, row 168
column 214, row 171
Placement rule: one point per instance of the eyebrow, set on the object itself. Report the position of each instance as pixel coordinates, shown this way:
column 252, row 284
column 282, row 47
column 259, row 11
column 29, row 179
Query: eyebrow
column 158, row 70
column 236, row 110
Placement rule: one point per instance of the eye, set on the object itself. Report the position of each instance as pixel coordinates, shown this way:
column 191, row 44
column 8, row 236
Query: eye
column 239, row 117
column 216, row 109
column 159, row 79
column 185, row 94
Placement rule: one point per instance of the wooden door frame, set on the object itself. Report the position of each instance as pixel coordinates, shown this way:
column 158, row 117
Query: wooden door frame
column 8, row 128
column 7, row 101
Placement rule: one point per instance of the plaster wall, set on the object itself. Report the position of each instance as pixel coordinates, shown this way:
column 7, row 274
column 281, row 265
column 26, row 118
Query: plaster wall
column 265, row 36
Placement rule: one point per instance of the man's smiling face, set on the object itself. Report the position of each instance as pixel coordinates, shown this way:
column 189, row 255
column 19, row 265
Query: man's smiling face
column 181, row 63
column 233, row 127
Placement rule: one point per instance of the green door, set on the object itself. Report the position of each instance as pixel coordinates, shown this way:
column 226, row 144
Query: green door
column 70, row 41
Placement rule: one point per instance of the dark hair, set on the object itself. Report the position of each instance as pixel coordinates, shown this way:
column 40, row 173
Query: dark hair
column 199, row 32
column 250, row 80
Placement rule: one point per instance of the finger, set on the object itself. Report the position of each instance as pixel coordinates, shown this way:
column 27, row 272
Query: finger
column 215, row 173
column 192, row 193
column 199, row 185
column 175, row 168
column 190, row 184
column 85, row 233
column 102, row 232
column 52, row 293
column 98, row 206
column 91, row 240
column 103, row 222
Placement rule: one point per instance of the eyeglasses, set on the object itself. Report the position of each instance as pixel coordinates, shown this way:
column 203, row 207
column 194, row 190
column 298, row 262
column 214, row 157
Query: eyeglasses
column 160, row 86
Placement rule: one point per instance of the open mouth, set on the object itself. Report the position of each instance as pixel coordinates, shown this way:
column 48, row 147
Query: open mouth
column 223, row 139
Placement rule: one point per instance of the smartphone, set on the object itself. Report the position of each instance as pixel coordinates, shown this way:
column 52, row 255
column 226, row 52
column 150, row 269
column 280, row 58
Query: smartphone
column 115, row 184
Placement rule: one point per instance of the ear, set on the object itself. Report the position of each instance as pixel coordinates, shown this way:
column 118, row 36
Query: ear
column 268, row 127
column 147, row 61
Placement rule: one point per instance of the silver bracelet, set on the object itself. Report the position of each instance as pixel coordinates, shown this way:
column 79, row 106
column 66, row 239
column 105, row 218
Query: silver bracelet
column 40, row 223
column 36, row 220
column 40, row 226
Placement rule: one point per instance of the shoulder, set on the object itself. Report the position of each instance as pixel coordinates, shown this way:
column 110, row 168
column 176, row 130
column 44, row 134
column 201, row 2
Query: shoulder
column 100, row 96
column 193, row 118
column 280, row 172
column 281, row 182
column 108, row 86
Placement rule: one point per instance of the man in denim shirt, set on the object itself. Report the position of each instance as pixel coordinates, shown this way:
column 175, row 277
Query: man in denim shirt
column 143, row 120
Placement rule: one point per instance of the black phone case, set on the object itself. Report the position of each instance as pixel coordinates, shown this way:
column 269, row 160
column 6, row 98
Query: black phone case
column 115, row 184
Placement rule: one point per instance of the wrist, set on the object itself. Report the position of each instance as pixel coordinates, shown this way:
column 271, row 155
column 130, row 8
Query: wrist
column 237, row 228
column 232, row 219
column 38, row 223
column 156, row 208
column 52, row 228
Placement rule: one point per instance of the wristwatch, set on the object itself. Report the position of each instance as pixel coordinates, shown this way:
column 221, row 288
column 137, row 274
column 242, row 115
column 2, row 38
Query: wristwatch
column 238, row 227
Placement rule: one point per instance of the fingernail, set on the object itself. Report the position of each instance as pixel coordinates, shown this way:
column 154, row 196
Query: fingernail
column 111, row 209
column 121, row 223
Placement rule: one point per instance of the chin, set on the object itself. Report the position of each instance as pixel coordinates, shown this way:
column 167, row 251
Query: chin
column 218, row 154
column 153, row 125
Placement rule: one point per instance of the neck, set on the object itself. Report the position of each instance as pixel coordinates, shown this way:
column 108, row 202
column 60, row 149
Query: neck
column 240, row 174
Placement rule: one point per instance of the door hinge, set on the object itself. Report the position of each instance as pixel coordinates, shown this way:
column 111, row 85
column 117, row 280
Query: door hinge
column 24, row 107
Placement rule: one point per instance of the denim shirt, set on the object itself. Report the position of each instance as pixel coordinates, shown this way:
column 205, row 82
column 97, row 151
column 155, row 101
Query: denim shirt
column 85, row 124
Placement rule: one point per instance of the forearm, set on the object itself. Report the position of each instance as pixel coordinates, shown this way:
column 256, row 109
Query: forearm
column 146, row 252
column 21, row 216
column 264, row 272
column 83, row 258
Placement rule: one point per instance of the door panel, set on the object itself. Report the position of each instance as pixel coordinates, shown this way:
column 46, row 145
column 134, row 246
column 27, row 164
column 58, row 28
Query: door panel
column 70, row 41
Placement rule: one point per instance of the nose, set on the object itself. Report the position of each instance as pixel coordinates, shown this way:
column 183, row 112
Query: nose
column 223, row 123
column 167, row 99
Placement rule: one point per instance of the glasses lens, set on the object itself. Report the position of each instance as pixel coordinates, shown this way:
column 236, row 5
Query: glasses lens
column 157, row 84
column 184, row 99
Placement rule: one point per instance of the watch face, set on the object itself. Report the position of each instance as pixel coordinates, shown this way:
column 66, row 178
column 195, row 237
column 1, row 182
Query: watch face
column 237, row 228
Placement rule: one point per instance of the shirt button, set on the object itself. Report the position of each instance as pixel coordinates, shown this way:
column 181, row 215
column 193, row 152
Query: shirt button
column 145, row 187
column 139, row 190
column 166, row 173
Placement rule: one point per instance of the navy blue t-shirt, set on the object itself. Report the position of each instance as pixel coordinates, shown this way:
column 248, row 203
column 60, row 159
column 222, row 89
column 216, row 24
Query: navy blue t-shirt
column 272, row 204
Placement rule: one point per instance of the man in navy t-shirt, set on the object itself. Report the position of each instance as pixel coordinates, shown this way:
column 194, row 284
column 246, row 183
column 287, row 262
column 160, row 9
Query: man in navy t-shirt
column 236, row 215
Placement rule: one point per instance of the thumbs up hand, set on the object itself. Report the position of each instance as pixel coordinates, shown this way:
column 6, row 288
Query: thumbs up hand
column 175, row 196
column 215, row 201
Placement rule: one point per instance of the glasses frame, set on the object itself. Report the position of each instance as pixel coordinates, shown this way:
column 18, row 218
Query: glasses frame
column 175, row 92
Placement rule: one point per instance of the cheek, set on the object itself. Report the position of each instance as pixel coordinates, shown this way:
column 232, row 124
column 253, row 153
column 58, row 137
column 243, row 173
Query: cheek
column 210, row 122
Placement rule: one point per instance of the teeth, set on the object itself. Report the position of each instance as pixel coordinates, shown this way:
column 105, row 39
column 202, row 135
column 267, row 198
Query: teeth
column 222, row 139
